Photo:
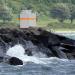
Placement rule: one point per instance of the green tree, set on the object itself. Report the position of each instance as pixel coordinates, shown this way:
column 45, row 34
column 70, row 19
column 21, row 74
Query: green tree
column 5, row 14
column 60, row 12
column 72, row 12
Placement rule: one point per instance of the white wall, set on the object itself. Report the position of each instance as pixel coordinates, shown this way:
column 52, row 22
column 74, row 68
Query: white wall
column 27, row 19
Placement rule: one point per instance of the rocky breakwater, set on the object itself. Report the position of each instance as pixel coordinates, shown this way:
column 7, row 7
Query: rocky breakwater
column 37, row 42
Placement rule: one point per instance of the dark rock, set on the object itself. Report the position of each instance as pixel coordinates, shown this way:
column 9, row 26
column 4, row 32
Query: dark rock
column 46, row 42
column 15, row 61
column 28, row 52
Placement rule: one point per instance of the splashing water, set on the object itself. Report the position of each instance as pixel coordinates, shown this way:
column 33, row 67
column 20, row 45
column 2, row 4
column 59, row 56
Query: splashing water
column 19, row 52
column 40, row 66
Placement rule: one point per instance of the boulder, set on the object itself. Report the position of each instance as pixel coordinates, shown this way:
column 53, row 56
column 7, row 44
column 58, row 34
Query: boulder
column 15, row 61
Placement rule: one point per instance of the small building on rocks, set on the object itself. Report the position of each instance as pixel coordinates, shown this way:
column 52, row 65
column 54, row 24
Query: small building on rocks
column 27, row 19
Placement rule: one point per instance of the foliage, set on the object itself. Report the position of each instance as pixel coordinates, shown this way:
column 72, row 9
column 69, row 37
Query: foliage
column 72, row 12
column 41, row 6
column 5, row 13
column 12, row 9
column 60, row 11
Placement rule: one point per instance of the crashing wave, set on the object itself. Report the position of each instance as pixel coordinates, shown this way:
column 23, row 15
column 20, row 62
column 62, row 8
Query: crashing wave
column 19, row 52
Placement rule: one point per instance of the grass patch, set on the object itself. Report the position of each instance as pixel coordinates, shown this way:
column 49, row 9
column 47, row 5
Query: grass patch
column 54, row 24
column 9, row 25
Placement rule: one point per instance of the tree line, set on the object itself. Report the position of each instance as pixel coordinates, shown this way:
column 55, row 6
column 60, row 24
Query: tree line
column 60, row 9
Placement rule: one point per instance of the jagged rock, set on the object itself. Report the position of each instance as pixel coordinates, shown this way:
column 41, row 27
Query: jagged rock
column 40, row 41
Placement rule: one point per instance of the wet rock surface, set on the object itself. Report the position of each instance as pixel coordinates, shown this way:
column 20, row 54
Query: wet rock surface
column 15, row 61
column 38, row 42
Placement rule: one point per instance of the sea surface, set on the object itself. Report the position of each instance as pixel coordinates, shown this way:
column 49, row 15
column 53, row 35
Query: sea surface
column 46, row 66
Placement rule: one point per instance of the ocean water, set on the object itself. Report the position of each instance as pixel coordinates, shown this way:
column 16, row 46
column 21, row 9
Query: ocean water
column 37, row 66
column 54, row 66
column 69, row 35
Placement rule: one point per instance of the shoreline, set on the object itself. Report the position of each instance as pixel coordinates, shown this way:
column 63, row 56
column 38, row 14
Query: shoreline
column 66, row 33
column 63, row 31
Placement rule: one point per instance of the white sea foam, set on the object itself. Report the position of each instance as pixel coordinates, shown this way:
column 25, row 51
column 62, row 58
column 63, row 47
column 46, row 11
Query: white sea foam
column 19, row 52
